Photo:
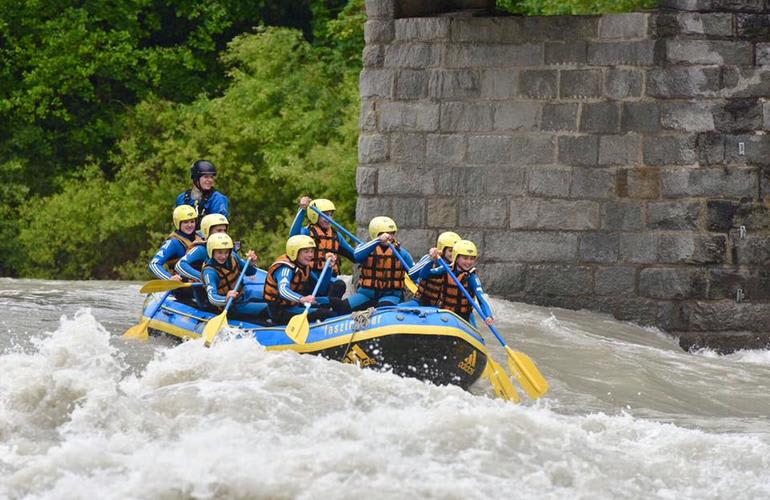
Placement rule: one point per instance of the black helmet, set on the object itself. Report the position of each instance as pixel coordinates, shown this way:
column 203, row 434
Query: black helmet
column 200, row 168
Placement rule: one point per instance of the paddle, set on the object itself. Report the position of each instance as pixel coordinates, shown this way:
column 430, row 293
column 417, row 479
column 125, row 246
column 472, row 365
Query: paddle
column 139, row 331
column 153, row 286
column 521, row 366
column 407, row 279
column 500, row 381
column 298, row 327
column 220, row 321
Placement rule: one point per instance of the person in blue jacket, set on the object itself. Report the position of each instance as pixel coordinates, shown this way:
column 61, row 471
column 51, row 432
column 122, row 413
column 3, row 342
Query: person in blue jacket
column 451, row 297
column 429, row 289
column 381, row 274
column 291, row 279
column 326, row 237
column 202, row 196
column 220, row 274
column 176, row 245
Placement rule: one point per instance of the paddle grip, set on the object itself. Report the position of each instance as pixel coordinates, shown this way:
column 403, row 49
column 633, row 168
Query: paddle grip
column 470, row 299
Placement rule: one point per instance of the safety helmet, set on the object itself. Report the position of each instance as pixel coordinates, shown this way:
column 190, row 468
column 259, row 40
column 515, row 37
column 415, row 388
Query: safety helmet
column 200, row 168
column 218, row 241
column 380, row 225
column 445, row 240
column 322, row 205
column 465, row 247
column 297, row 243
column 183, row 213
column 211, row 220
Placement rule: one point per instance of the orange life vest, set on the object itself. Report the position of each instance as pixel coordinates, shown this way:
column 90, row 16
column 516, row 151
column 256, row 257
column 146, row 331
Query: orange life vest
column 452, row 297
column 188, row 245
column 382, row 270
column 326, row 241
column 298, row 282
column 227, row 277
column 429, row 291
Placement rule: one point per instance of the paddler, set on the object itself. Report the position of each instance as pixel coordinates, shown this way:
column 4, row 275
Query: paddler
column 202, row 196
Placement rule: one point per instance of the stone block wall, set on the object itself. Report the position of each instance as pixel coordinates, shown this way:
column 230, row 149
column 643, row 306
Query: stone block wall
column 618, row 163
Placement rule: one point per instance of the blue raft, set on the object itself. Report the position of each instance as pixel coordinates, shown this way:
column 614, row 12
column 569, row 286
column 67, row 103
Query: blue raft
column 426, row 343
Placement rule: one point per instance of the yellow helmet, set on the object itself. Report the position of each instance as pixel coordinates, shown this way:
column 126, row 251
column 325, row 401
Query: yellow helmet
column 183, row 213
column 297, row 243
column 380, row 225
column 218, row 241
column 446, row 239
column 211, row 220
column 322, row 205
column 465, row 247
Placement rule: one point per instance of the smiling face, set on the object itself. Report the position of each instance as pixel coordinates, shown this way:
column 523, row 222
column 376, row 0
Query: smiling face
column 305, row 256
column 465, row 262
column 323, row 222
column 206, row 182
column 447, row 256
column 220, row 256
column 187, row 226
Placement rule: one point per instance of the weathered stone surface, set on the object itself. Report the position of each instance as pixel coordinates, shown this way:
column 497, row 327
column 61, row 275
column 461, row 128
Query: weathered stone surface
column 558, row 280
column 376, row 83
column 579, row 150
column 509, row 246
column 623, row 26
column 725, row 282
column 692, row 249
column 690, row 81
column 378, row 31
column 598, row 247
column 622, row 215
column 674, row 215
column 640, row 182
column 407, row 148
column 620, row 149
column 517, row 116
column 549, row 181
column 538, row 83
column 727, row 315
column 380, row 9
column 507, row 279
column 424, row 29
column 623, row 83
column 367, row 119
column 496, row 180
column 762, row 54
column 533, row 149
column 709, row 52
column 572, row 52
column 374, row 56
column 754, row 250
column 415, row 239
column 489, row 149
column 745, row 82
column 455, row 84
column 498, row 56
column 600, row 117
column 372, row 148
column 639, row 248
column 366, row 180
column 710, row 148
column 412, row 116
column 756, row 149
column 409, row 212
column 399, row 180
column 694, row 23
column 560, row 117
column 753, row 26
column 466, row 117
column 442, row 212
column 714, row 5
column 527, row 213
column 641, row 53
column 412, row 55
column 687, row 116
column 739, row 115
column 723, row 343
column 669, row 150
column 445, row 148
column 593, row 183
column 720, row 215
column 616, row 281
column 672, row 283
column 483, row 212
column 580, row 84
column 733, row 183
column 499, row 83
column 640, row 117
column 367, row 208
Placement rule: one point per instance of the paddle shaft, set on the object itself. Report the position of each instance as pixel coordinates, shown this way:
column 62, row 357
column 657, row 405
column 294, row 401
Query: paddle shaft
column 337, row 225
column 318, row 283
column 237, row 286
column 470, row 299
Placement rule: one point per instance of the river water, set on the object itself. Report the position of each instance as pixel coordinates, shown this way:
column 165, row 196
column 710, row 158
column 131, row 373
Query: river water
column 85, row 414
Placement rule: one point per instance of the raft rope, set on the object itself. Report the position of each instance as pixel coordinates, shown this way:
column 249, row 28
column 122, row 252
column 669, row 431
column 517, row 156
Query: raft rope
column 361, row 321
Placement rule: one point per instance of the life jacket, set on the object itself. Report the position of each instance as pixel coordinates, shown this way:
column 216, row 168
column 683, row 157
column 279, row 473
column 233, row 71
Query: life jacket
column 452, row 297
column 382, row 270
column 298, row 283
column 326, row 241
column 227, row 277
column 188, row 245
column 199, row 205
column 429, row 291
column 195, row 244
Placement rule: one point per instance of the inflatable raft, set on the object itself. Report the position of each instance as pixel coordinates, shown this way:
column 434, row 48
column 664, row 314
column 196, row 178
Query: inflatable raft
column 426, row 343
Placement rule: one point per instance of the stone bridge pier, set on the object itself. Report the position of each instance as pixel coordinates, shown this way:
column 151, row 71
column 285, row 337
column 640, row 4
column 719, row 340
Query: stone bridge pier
column 616, row 163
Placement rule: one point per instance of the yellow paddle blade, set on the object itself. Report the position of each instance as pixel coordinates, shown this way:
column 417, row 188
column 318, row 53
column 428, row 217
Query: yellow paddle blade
column 526, row 373
column 139, row 331
column 410, row 284
column 153, row 286
column 500, row 382
column 298, row 328
column 213, row 326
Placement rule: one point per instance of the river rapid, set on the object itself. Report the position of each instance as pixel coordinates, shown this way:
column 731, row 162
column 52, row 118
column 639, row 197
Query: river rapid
column 85, row 414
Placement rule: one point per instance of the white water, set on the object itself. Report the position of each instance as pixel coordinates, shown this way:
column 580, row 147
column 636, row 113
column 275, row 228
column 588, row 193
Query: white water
column 84, row 414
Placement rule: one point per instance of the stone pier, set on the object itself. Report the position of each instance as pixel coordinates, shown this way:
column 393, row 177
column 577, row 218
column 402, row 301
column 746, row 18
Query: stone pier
column 616, row 163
